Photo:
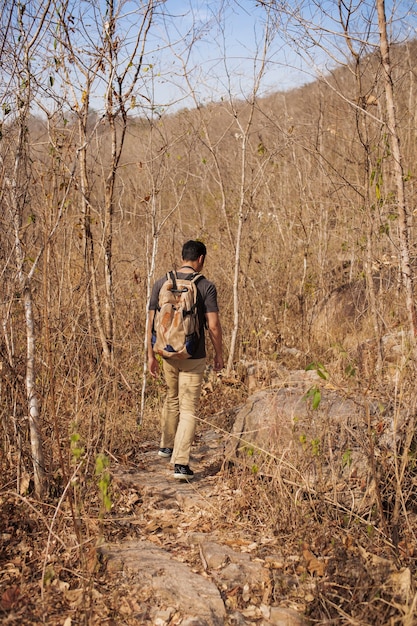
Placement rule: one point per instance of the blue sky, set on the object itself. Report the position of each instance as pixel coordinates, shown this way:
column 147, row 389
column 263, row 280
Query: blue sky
column 223, row 48
column 222, row 42
column 199, row 51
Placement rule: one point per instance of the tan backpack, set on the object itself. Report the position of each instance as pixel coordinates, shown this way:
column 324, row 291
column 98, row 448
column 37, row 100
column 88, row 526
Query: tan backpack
column 176, row 327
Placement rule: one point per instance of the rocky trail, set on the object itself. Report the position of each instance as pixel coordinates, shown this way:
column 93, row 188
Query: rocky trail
column 249, row 541
column 182, row 558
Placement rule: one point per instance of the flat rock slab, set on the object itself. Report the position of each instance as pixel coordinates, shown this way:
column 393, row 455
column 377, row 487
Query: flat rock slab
column 172, row 582
column 228, row 567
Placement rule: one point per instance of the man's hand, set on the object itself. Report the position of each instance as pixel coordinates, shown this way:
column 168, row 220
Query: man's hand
column 153, row 366
column 218, row 363
column 215, row 334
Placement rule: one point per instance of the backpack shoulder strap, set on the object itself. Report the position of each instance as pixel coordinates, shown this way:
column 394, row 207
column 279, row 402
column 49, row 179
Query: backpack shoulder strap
column 196, row 277
column 172, row 275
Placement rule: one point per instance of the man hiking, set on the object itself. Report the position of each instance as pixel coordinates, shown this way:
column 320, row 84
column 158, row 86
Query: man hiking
column 184, row 369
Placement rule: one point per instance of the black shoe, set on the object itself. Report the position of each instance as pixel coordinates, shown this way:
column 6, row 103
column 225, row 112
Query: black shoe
column 165, row 452
column 183, row 472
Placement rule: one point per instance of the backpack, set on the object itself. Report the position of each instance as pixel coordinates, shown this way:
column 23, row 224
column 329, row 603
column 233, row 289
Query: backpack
column 176, row 327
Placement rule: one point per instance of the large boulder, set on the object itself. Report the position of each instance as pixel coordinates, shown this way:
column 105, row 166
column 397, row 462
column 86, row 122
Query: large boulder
column 314, row 437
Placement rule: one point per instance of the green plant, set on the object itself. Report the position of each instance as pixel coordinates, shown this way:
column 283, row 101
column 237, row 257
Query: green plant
column 319, row 368
column 303, row 440
column 104, row 479
column 315, row 394
column 314, row 443
column 347, row 458
column 350, row 370
column 77, row 450
column 315, row 446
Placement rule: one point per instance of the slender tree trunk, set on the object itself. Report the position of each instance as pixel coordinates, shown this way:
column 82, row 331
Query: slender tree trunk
column 400, row 463
column 403, row 218
column 33, row 400
column 236, row 272
column 150, row 274
column 242, row 212
column 38, row 460
column 110, row 183
column 93, row 301
column 17, row 187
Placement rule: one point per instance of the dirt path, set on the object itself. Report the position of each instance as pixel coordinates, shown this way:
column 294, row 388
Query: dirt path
column 179, row 565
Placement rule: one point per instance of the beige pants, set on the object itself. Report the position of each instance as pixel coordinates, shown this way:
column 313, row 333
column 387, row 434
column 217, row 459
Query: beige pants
column 183, row 379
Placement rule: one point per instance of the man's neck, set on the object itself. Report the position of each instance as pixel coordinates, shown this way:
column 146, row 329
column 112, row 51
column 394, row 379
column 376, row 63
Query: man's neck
column 187, row 265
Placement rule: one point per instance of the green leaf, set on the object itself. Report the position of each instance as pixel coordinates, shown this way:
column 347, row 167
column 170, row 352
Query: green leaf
column 319, row 368
column 102, row 462
column 316, row 399
column 347, row 458
column 350, row 370
column 315, row 394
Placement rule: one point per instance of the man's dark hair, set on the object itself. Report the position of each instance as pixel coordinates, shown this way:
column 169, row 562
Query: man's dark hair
column 191, row 250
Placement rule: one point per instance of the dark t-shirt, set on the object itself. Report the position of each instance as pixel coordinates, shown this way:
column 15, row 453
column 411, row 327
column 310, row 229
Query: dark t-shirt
column 206, row 303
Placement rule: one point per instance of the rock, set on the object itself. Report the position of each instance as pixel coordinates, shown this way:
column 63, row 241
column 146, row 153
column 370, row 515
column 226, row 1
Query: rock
column 237, row 619
column 163, row 616
column 341, row 316
column 217, row 555
column 194, row 621
column 260, row 374
column 278, row 433
column 281, row 616
column 172, row 582
column 231, row 569
column 234, row 583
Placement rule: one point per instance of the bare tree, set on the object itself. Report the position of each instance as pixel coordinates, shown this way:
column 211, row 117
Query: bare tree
column 348, row 35
column 110, row 61
column 239, row 161
column 26, row 26
column 403, row 212
column 365, row 99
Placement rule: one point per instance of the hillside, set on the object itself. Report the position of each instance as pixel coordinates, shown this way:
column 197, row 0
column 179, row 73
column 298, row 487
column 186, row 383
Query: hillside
column 296, row 198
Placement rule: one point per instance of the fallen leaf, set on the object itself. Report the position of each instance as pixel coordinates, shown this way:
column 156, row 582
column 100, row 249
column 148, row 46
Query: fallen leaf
column 233, row 591
column 246, row 593
column 10, row 597
column 75, row 597
column 251, row 611
column 314, row 565
column 153, row 526
column 60, row 584
column 400, row 584
column 317, row 567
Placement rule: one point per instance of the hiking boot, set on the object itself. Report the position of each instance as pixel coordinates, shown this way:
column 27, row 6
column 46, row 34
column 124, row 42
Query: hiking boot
column 183, row 472
column 166, row 453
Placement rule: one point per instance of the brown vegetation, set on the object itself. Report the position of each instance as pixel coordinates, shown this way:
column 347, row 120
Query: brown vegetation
column 84, row 230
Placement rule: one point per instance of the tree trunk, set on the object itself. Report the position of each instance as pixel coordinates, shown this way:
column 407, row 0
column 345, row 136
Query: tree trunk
column 398, row 174
column 38, row 460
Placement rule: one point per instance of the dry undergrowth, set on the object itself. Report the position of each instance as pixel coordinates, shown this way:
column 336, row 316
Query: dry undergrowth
column 340, row 570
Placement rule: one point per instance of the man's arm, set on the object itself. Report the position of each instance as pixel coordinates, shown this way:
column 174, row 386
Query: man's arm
column 216, row 337
column 153, row 365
